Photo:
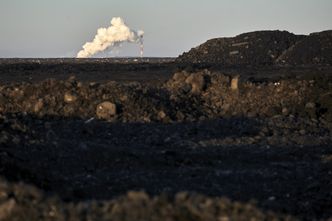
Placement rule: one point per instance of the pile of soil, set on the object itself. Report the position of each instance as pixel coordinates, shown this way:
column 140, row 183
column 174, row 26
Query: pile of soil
column 263, row 48
column 314, row 49
column 88, row 144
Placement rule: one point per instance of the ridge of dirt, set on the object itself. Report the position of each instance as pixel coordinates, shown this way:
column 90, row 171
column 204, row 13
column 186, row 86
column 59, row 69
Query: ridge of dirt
column 263, row 48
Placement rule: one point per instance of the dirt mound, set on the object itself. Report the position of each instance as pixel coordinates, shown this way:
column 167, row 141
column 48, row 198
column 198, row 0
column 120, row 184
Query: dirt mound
column 263, row 48
column 254, row 48
column 313, row 49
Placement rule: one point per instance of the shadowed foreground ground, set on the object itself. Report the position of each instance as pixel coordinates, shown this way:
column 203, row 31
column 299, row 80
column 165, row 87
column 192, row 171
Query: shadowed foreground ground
column 197, row 148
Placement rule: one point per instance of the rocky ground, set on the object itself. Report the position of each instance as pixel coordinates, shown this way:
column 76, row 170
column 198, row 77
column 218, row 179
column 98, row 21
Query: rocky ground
column 201, row 145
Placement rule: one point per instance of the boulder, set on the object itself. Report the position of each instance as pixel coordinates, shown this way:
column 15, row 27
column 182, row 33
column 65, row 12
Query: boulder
column 197, row 83
column 106, row 110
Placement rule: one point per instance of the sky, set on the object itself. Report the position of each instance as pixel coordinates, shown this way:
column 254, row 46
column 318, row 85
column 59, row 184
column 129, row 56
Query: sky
column 48, row 28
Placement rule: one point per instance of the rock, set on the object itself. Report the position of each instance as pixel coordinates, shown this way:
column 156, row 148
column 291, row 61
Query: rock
column 310, row 105
column 197, row 83
column 16, row 93
column 124, row 98
column 16, row 140
column 285, row 111
column 302, row 132
column 186, row 88
column 226, row 107
column 180, row 116
column 161, row 115
column 310, row 109
column 251, row 114
column 69, row 110
column 7, row 208
column 38, row 105
column 146, row 119
column 233, row 53
column 180, row 76
column 137, row 196
column 235, row 82
column 93, row 85
column 106, row 110
column 69, row 97
column 257, row 137
column 4, row 137
column 71, row 82
column 251, row 140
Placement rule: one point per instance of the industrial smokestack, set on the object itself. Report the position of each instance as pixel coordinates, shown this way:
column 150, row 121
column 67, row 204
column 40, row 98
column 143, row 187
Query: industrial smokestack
column 117, row 33
column 141, row 45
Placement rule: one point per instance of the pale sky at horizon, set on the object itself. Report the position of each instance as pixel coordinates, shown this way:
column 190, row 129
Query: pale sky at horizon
column 45, row 28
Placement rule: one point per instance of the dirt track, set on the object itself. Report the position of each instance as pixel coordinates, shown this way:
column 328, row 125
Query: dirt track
column 268, row 141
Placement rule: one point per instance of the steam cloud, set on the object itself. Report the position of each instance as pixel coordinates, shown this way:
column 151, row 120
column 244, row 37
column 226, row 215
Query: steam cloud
column 117, row 33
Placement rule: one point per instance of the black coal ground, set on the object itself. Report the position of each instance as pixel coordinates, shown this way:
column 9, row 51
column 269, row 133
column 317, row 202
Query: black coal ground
column 83, row 167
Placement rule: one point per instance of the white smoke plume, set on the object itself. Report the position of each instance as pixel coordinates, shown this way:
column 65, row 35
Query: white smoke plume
column 117, row 33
